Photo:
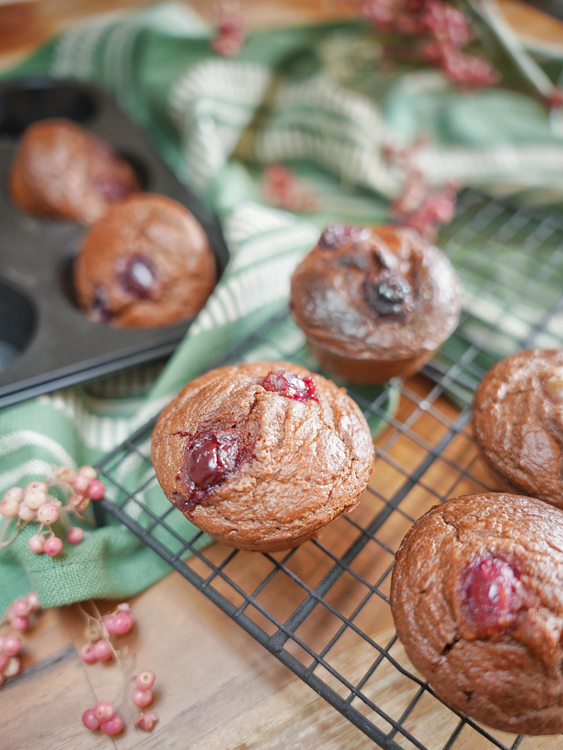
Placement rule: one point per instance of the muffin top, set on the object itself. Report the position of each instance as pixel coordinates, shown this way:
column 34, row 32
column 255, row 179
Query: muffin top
column 146, row 262
column 477, row 598
column 382, row 290
column 518, row 421
column 63, row 170
column 262, row 455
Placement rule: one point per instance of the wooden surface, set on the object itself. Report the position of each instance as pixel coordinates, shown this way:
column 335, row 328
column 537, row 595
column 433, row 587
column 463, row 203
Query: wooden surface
column 217, row 688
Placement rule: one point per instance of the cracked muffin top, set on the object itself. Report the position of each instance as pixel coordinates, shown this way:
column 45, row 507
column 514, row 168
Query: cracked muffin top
column 262, row 455
column 64, row 171
column 477, row 598
column 518, row 422
column 147, row 262
column 375, row 302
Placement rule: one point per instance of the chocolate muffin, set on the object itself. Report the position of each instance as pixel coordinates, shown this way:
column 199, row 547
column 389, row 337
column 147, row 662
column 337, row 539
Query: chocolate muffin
column 262, row 455
column 147, row 262
column 518, row 422
column 62, row 170
column 374, row 302
column 477, row 598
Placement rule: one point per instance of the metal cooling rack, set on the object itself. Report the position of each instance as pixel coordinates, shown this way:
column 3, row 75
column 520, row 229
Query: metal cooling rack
column 332, row 626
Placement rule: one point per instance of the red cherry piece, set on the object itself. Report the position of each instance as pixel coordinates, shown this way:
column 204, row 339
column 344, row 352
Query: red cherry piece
column 211, row 458
column 290, row 386
column 138, row 275
column 110, row 188
column 100, row 310
column 490, row 596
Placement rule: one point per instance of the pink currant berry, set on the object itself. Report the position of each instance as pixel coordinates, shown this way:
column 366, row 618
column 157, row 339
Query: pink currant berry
column 33, row 600
column 88, row 653
column 88, row 472
column 80, row 484
column 26, row 513
column 90, row 720
column 122, row 623
column 142, row 698
column 146, row 721
column 53, row 546
column 11, row 645
column 108, row 622
column 37, row 543
column 4, row 659
column 75, row 535
column 48, row 513
column 113, row 725
column 102, row 649
column 41, row 486
column 9, row 507
column 21, row 607
column 145, row 679
column 14, row 667
column 19, row 623
column 34, row 499
column 14, row 493
column 104, row 710
column 65, row 474
column 96, row 490
column 79, row 503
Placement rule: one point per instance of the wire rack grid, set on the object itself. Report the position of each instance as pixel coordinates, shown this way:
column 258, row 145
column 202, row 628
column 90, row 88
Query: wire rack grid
column 323, row 608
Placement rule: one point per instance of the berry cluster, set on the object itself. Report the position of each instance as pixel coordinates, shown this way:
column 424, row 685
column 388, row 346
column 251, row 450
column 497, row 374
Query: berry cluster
column 424, row 209
column 441, row 32
column 282, row 188
column 36, row 504
column 230, row 33
column 100, row 647
column 18, row 616
column 19, row 611
column 10, row 665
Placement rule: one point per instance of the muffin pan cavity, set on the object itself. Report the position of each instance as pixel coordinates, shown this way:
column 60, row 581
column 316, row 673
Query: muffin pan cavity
column 25, row 102
column 17, row 323
column 46, row 342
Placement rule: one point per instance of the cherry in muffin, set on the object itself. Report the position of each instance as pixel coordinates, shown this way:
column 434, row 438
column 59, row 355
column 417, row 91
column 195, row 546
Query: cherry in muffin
column 374, row 302
column 262, row 455
column 147, row 262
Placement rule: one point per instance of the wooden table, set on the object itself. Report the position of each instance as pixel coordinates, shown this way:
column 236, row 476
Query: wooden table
column 217, row 688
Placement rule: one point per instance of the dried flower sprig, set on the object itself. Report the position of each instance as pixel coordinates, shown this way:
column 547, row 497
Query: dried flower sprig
column 100, row 646
column 433, row 32
column 34, row 504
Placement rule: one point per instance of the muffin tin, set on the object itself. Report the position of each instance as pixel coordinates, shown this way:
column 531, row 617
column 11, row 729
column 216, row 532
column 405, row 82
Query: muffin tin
column 46, row 342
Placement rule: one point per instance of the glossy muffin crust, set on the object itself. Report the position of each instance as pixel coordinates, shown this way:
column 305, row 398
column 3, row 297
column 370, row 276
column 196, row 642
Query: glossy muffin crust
column 374, row 302
column 518, row 422
column 147, row 262
column 262, row 455
column 61, row 170
column 477, row 598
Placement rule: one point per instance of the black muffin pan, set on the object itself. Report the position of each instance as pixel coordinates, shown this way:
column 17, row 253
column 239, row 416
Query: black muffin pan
column 46, row 342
